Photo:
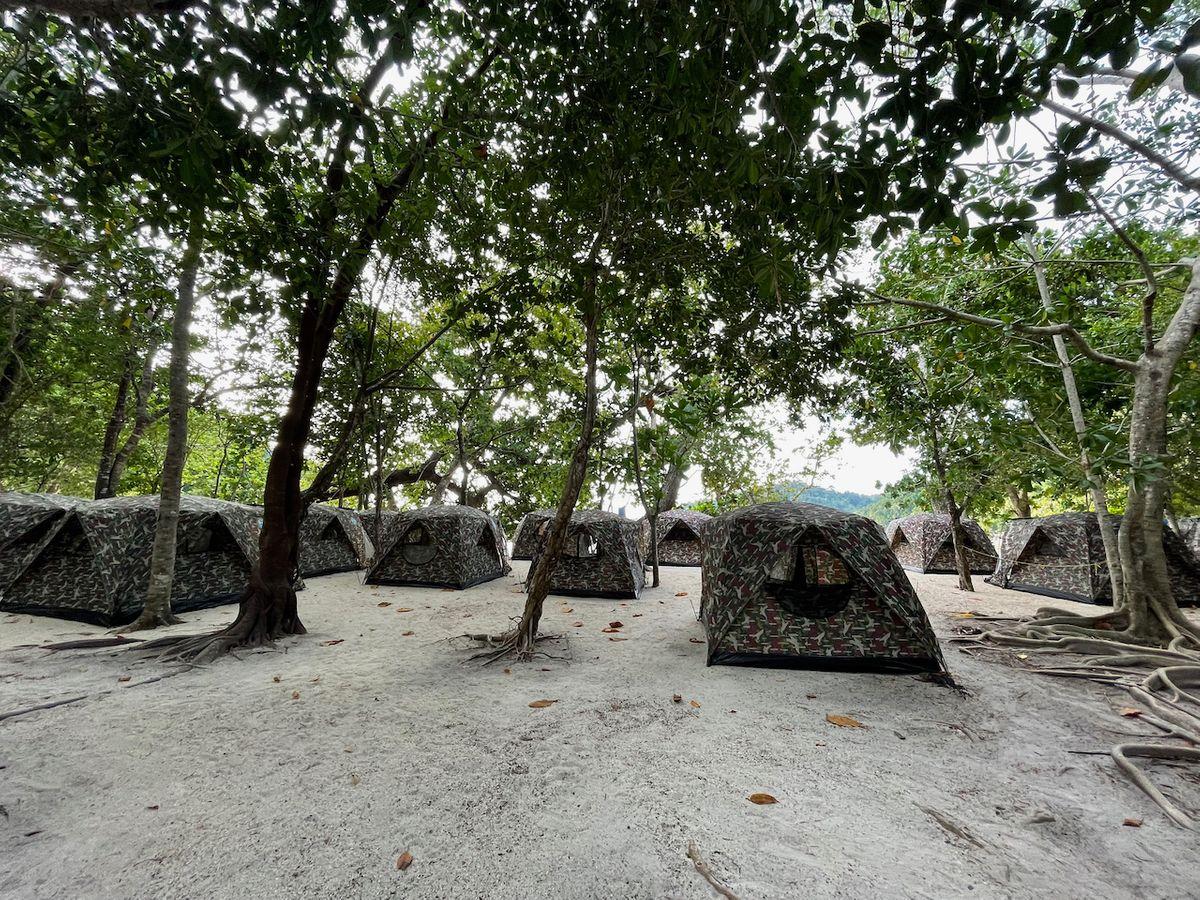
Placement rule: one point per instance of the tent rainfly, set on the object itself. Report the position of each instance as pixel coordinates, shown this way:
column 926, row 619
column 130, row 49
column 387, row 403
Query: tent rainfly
column 525, row 541
column 601, row 558
column 1063, row 556
column 796, row 585
column 440, row 546
column 27, row 522
column 678, row 537
column 923, row 543
column 332, row 540
column 386, row 518
column 96, row 566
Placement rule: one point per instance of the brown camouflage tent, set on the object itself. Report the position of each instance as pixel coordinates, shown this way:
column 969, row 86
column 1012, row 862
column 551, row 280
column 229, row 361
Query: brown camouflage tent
column 96, row 565
column 922, row 542
column 440, row 546
column 678, row 537
column 332, row 540
column 525, row 542
column 27, row 522
column 601, row 558
column 367, row 517
column 803, row 586
column 1063, row 556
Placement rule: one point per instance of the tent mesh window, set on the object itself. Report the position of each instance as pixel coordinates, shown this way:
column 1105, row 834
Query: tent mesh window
column 487, row 543
column 1044, row 545
column 582, row 545
column 211, row 537
column 811, row 581
column 417, row 545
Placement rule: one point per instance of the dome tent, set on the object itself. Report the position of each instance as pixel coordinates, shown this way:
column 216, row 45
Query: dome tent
column 803, row 586
column 1063, row 556
column 601, row 558
column 525, row 540
column 96, row 567
column 923, row 543
column 332, row 540
column 440, row 546
column 678, row 536
column 27, row 523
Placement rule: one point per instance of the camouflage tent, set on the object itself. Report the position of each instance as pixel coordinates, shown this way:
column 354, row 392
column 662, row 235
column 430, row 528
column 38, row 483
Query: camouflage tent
column 601, row 558
column 96, row 566
column 332, row 540
column 526, row 539
column 1063, row 556
column 367, row 518
column 803, row 586
column 27, row 522
column 922, row 542
column 678, row 537
column 445, row 546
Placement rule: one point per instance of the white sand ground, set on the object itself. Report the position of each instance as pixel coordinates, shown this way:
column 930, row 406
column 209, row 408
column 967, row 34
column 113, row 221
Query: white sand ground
column 218, row 784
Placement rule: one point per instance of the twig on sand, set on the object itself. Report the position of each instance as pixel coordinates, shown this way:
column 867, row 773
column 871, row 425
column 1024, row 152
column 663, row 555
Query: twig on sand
column 92, row 643
column 12, row 714
column 706, row 873
column 952, row 827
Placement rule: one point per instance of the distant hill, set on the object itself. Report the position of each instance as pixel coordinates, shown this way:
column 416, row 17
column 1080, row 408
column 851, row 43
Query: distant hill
column 847, row 501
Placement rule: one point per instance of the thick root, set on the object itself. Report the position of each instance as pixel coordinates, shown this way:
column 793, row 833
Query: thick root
column 1121, row 754
column 149, row 622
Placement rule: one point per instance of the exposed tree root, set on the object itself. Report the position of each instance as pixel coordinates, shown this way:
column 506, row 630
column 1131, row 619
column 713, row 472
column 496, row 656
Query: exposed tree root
column 147, row 623
column 1162, row 679
column 508, row 644
column 706, row 873
column 25, row 710
column 90, row 643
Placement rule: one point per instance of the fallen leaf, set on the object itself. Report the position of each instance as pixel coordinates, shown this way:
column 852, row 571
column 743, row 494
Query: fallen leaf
column 1133, row 823
column 610, row 630
column 347, row 749
column 155, row 807
column 385, row 603
column 811, row 696
column 331, row 643
column 541, row 704
column 508, row 671
column 762, row 799
column 316, row 680
column 295, row 695
column 400, row 609
column 1130, row 712
column 354, row 779
column 576, row 624
column 694, row 703
column 125, row 678
column 617, row 624
column 568, row 609
column 404, row 860
column 1022, row 656
column 678, row 698
column 963, row 615
column 843, row 721
column 618, row 639
column 681, row 593
column 696, row 640
column 407, row 633
column 637, row 615
column 276, row 679
column 546, row 669
column 733, row 710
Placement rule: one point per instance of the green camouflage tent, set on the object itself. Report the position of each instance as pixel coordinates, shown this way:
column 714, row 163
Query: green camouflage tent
column 601, row 558
column 440, row 546
column 525, row 541
column 367, row 518
column 678, row 537
column 332, row 540
column 27, row 522
column 804, row 586
column 96, row 566
column 922, row 542
column 1063, row 556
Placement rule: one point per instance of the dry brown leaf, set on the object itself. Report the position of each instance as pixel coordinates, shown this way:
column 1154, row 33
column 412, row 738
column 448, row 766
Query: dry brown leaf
column 681, row 593
column 963, row 615
column 332, row 643
column 295, row 695
column 618, row 639
column 354, row 779
column 400, row 609
column 404, row 860
column 541, row 704
column 811, row 696
column 1133, row 823
column 694, row 703
column 347, row 749
column 316, row 680
column 1130, row 712
column 508, row 671
column 576, row 624
column 637, row 615
column 154, row 808
column 124, row 678
column 616, row 624
column 568, row 609
column 696, row 640
column 276, row 679
column 610, row 630
column 385, row 603
column 678, row 698
column 407, row 633
column 843, row 721
column 762, row 799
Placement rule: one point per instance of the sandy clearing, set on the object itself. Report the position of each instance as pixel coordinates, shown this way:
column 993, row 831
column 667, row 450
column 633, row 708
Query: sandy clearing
column 395, row 745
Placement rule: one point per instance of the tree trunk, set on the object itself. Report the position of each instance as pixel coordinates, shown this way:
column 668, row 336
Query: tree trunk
column 157, row 610
column 957, row 536
column 1018, row 501
column 538, row 582
column 112, row 431
column 10, row 372
column 1108, row 533
column 142, row 419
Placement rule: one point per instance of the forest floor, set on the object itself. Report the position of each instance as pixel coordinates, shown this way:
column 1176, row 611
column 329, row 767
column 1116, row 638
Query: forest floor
column 308, row 770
